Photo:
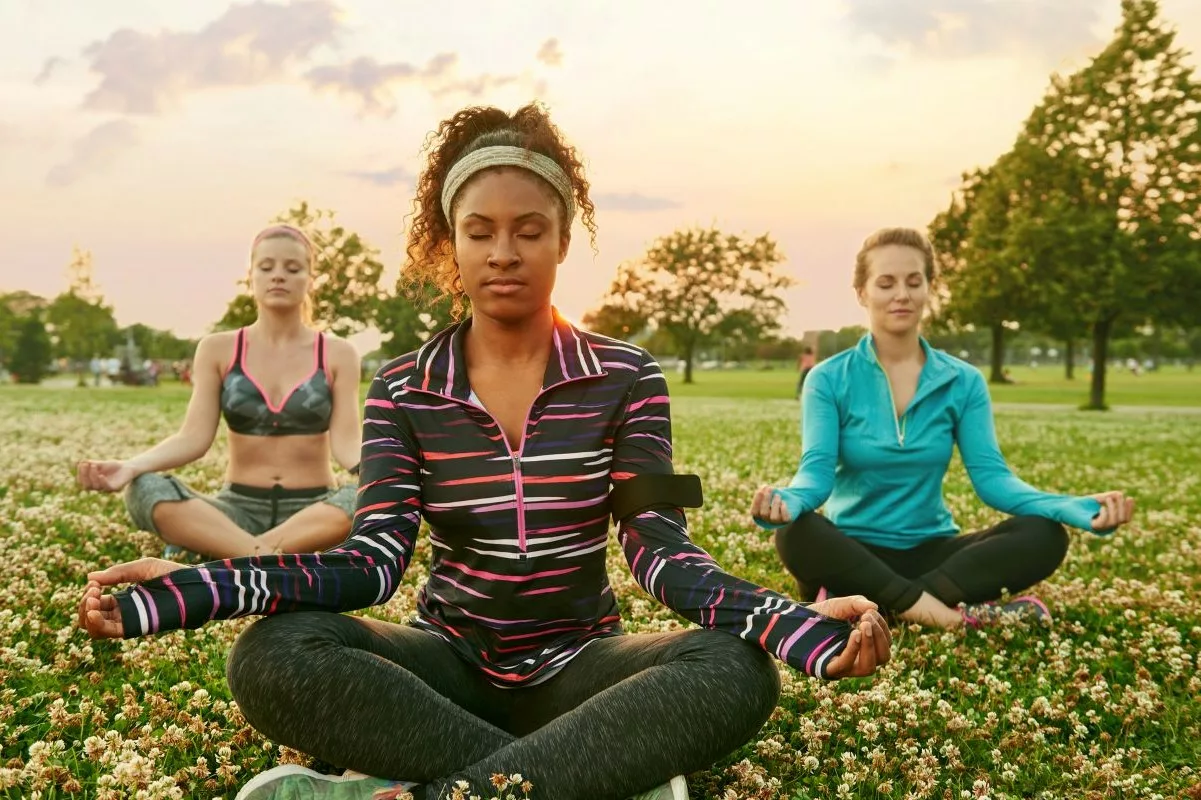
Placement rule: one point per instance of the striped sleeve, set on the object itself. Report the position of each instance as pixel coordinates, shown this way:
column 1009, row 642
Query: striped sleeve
column 364, row 570
column 682, row 576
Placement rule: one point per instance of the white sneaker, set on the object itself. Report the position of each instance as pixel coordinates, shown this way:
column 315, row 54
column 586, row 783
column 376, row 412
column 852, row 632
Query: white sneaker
column 294, row 782
column 675, row 789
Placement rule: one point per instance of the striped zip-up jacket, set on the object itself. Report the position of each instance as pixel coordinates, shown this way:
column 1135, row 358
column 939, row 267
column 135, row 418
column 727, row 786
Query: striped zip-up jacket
column 517, row 584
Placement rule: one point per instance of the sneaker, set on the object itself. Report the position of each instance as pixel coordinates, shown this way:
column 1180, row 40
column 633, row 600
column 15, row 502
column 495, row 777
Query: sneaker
column 294, row 782
column 1027, row 607
column 675, row 789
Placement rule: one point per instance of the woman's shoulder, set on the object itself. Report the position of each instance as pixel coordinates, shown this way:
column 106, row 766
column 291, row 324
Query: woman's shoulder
column 218, row 345
column 337, row 348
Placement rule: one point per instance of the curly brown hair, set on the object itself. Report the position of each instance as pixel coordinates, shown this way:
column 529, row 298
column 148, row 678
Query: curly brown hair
column 430, row 264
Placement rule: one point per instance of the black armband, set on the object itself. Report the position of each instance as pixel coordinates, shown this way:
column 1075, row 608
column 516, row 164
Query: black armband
column 643, row 492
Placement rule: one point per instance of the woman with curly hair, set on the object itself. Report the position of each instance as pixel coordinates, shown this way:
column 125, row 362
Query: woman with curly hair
column 516, row 437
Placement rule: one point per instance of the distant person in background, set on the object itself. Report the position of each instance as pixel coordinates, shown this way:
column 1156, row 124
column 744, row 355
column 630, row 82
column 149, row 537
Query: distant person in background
column 806, row 362
column 879, row 422
column 289, row 395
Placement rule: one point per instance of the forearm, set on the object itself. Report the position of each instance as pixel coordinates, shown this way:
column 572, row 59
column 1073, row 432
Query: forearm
column 682, row 576
column 347, row 450
column 174, row 451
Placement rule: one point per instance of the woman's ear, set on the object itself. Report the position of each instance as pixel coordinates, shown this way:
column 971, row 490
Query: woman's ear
column 564, row 246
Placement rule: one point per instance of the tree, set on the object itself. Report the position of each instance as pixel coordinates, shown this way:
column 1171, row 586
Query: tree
column 14, row 308
column 408, row 317
column 701, row 285
column 345, row 292
column 1194, row 347
column 1118, row 143
column 615, row 320
column 32, row 353
column 982, row 282
column 83, row 326
column 154, row 343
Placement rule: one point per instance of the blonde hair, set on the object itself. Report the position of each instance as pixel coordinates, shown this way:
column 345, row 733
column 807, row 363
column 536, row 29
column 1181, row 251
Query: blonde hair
column 903, row 237
column 297, row 235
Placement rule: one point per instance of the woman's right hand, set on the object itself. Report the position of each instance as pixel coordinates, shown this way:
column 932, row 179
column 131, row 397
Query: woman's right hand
column 104, row 476
column 769, row 507
column 99, row 613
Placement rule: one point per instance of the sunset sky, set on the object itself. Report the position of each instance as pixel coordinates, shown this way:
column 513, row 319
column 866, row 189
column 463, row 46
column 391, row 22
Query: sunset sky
column 162, row 135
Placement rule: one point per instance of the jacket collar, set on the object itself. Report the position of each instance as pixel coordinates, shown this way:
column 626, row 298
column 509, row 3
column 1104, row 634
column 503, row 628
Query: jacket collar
column 441, row 366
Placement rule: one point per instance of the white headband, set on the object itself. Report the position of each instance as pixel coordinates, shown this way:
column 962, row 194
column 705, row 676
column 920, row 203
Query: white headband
column 507, row 156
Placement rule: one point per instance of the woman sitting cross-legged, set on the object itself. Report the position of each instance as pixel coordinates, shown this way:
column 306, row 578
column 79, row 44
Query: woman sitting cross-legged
column 516, row 436
column 879, row 422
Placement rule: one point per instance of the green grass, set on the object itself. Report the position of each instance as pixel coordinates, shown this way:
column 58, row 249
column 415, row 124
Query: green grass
column 1171, row 386
column 1103, row 705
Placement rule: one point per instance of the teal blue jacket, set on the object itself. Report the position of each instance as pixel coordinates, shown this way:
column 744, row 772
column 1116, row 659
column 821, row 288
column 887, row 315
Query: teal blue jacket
column 880, row 476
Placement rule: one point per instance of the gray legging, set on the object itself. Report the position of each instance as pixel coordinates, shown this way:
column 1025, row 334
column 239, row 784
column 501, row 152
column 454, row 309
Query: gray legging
column 625, row 715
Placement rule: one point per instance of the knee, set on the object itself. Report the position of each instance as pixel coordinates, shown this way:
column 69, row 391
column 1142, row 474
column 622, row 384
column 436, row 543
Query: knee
column 143, row 496
column 1047, row 538
column 266, row 653
column 345, row 500
column 797, row 536
column 747, row 672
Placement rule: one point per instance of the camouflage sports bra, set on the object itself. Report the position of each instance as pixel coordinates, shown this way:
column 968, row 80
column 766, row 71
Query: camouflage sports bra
column 304, row 411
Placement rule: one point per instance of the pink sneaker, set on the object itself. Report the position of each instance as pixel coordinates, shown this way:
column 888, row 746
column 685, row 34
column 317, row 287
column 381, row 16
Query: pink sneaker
column 981, row 615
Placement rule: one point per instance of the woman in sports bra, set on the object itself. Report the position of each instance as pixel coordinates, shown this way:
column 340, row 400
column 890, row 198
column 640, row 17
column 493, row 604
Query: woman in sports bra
column 289, row 396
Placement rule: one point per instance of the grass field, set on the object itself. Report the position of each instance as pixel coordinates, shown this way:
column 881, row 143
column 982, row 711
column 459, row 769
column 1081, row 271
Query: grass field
column 1171, row 386
column 1106, row 704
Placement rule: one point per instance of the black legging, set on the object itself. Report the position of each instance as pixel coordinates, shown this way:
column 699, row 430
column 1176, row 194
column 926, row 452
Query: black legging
column 625, row 715
column 969, row 568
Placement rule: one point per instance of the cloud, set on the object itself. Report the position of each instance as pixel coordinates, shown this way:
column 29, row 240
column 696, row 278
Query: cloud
column 959, row 29
column 99, row 148
column 550, row 53
column 371, row 82
column 633, row 201
column 396, row 176
column 252, row 43
column 48, row 69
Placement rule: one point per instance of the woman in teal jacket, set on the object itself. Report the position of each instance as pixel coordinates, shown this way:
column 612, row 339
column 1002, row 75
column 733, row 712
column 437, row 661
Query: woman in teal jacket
column 878, row 425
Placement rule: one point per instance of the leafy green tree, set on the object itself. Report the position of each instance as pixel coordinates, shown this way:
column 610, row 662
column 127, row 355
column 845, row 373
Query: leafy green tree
column 982, row 283
column 14, row 308
column 408, row 317
column 83, row 326
column 701, row 286
column 33, row 351
column 615, row 320
column 1111, row 158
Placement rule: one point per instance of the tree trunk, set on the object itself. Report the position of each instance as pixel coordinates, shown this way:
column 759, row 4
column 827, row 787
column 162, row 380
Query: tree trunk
column 998, row 355
column 1069, row 359
column 689, row 352
column 1096, row 395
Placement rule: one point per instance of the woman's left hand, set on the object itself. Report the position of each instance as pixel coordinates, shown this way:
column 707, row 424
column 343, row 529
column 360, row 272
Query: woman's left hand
column 870, row 645
column 1116, row 509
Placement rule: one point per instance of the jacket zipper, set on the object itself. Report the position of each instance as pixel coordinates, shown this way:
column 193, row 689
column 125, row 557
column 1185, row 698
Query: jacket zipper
column 898, row 422
column 514, row 457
